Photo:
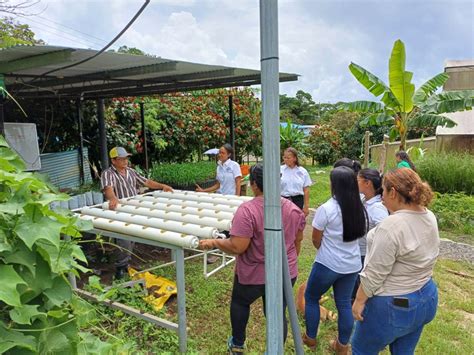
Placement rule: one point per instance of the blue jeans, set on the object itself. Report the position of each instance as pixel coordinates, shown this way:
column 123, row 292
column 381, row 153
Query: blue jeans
column 319, row 282
column 387, row 324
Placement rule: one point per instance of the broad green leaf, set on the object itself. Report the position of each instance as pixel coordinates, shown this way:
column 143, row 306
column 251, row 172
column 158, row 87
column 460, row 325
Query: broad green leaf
column 60, row 292
column 4, row 244
column 430, row 120
column 450, row 101
column 10, row 280
column 371, row 82
column 362, row 106
column 429, row 88
column 10, row 161
column 376, row 119
column 58, row 313
column 10, row 339
column 47, row 198
column 45, row 228
column 54, row 342
column 399, row 79
column 23, row 256
column 26, row 313
column 91, row 344
column 393, row 134
column 38, row 281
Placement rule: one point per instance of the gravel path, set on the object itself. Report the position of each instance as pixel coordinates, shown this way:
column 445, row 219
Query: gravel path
column 456, row 251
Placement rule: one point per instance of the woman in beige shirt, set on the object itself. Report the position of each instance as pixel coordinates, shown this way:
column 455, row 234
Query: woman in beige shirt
column 397, row 295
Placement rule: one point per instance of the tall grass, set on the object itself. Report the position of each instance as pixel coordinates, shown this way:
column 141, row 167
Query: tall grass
column 448, row 172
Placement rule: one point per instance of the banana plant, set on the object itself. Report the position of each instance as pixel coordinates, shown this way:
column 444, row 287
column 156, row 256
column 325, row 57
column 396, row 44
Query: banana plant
column 403, row 107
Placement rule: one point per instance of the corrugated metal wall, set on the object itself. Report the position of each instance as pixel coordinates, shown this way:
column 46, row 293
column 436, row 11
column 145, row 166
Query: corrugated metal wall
column 63, row 168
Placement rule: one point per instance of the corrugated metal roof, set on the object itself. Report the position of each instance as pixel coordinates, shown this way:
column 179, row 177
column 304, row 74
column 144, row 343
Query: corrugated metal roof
column 111, row 74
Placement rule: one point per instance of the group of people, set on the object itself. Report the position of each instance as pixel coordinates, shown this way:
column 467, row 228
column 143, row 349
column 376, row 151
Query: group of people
column 377, row 245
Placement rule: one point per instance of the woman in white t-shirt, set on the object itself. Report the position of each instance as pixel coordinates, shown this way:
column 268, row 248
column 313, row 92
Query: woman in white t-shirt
column 228, row 174
column 370, row 186
column 295, row 180
column 337, row 226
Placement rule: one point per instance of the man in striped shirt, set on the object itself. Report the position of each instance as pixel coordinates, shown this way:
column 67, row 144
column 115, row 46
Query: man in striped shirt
column 120, row 181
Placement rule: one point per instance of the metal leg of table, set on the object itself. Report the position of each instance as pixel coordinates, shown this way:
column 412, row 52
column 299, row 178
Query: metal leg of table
column 182, row 332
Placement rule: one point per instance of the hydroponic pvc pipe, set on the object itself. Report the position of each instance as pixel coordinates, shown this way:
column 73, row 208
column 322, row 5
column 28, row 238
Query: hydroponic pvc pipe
column 199, row 198
column 221, row 224
column 212, row 195
column 211, row 206
column 169, row 225
column 149, row 233
column 179, row 209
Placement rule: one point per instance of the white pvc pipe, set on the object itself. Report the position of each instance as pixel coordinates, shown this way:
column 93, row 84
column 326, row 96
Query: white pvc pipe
column 169, row 225
column 149, row 233
column 211, row 206
column 221, row 224
column 199, row 198
column 212, row 195
column 179, row 209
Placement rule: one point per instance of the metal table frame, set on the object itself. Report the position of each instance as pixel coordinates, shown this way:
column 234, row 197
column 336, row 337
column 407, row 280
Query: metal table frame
column 178, row 256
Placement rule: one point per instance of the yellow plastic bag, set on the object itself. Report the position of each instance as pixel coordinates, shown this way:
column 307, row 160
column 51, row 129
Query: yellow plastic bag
column 159, row 288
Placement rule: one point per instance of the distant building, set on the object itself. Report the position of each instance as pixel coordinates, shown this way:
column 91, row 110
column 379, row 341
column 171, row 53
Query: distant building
column 461, row 136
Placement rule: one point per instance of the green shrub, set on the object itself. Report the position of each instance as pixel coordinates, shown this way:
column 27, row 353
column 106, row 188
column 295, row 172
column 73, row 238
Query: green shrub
column 448, row 172
column 455, row 212
column 183, row 173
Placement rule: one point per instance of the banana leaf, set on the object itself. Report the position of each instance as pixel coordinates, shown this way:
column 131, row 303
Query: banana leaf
column 429, row 88
column 362, row 106
column 430, row 120
column 399, row 79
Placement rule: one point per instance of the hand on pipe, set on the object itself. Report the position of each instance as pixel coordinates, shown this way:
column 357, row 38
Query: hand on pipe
column 206, row 244
column 167, row 188
column 199, row 188
column 113, row 203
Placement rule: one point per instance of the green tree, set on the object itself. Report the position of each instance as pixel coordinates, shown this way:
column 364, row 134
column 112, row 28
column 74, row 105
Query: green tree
column 299, row 109
column 13, row 33
column 401, row 105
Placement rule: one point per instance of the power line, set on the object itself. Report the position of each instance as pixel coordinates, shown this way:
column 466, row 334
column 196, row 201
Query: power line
column 67, row 36
column 107, row 46
column 73, row 29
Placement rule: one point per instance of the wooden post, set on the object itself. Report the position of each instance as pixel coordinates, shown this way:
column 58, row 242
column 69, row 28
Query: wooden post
column 383, row 153
column 366, row 148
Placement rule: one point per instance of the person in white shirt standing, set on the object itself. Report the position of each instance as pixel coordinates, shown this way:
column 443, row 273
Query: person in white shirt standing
column 295, row 180
column 228, row 174
column 337, row 225
column 370, row 186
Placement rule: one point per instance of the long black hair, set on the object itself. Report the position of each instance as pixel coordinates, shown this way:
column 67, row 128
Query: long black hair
column 404, row 156
column 350, row 163
column 345, row 190
column 229, row 150
column 373, row 176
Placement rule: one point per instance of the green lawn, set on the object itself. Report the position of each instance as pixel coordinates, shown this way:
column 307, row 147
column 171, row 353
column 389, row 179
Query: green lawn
column 208, row 300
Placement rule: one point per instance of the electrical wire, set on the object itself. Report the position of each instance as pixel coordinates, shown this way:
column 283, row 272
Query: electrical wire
column 66, row 36
column 73, row 29
column 63, row 35
column 106, row 47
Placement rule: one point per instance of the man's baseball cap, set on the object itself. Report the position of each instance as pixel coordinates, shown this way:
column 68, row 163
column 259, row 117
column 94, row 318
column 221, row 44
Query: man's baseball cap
column 118, row 152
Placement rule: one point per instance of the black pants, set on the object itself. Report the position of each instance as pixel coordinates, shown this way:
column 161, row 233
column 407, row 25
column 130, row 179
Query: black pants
column 242, row 297
column 298, row 200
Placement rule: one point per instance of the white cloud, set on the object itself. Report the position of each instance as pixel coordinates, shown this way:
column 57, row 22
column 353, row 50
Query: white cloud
column 318, row 40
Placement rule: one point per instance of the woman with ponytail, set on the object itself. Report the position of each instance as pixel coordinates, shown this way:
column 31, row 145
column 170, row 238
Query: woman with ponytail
column 337, row 225
column 397, row 295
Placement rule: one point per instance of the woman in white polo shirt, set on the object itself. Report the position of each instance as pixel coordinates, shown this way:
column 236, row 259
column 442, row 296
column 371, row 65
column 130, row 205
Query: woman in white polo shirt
column 337, row 226
column 228, row 174
column 295, row 180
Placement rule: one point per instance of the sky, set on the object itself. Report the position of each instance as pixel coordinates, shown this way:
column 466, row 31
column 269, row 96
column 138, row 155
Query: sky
column 318, row 39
